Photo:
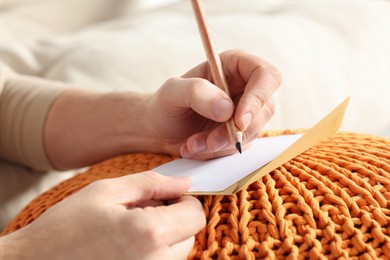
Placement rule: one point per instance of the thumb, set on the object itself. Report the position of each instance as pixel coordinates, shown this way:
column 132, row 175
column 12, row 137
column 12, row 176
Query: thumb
column 200, row 95
column 140, row 187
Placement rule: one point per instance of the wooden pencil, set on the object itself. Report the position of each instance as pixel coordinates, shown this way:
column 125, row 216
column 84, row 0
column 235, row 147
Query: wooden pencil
column 215, row 66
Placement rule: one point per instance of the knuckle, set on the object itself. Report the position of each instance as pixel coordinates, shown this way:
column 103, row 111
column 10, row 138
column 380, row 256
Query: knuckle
column 259, row 101
column 171, row 81
column 168, row 86
column 152, row 233
column 275, row 75
column 197, row 86
column 263, row 95
column 269, row 109
column 152, row 176
column 250, row 134
column 264, row 115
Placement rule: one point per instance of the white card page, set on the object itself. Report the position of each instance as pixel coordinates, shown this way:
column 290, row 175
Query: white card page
column 219, row 174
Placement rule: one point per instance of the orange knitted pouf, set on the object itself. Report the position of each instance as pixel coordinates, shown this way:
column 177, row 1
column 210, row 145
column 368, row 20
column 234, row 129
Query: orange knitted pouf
column 330, row 202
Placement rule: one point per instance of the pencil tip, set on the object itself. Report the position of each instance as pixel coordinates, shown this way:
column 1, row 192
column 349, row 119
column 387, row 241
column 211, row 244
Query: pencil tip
column 238, row 146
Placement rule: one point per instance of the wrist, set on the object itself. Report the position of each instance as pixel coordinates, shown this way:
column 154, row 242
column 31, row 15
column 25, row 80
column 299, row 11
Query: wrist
column 135, row 128
column 84, row 127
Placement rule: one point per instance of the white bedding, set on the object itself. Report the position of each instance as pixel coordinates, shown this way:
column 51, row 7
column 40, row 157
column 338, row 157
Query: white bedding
column 326, row 50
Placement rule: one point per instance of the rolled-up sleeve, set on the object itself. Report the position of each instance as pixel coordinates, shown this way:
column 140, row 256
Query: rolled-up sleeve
column 24, row 104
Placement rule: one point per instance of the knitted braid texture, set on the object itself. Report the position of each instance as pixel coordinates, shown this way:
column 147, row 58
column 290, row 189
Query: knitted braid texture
column 331, row 202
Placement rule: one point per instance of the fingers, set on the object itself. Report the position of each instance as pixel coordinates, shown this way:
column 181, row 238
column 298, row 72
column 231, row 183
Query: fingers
column 256, row 96
column 208, row 145
column 200, row 95
column 252, row 82
column 211, row 155
column 165, row 225
column 133, row 210
column 248, row 76
column 206, row 142
column 172, row 221
column 259, row 79
column 138, row 188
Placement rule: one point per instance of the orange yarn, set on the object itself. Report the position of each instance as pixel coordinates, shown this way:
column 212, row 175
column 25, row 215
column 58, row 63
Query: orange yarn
column 330, row 202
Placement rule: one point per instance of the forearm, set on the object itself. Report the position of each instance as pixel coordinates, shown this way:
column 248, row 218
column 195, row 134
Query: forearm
column 85, row 127
column 13, row 246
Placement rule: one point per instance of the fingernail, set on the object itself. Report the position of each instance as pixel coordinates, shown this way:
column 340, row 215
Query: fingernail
column 221, row 107
column 247, row 119
column 219, row 143
column 198, row 145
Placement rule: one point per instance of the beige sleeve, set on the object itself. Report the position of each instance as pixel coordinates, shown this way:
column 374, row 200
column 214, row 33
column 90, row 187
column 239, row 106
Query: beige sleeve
column 24, row 104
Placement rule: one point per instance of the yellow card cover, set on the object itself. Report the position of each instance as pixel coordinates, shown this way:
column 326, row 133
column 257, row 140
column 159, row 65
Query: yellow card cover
column 327, row 126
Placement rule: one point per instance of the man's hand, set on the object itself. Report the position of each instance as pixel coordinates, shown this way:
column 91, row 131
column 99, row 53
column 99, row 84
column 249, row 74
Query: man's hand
column 141, row 216
column 187, row 114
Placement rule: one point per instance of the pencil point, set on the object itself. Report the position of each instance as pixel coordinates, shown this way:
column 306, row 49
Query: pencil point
column 238, row 146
